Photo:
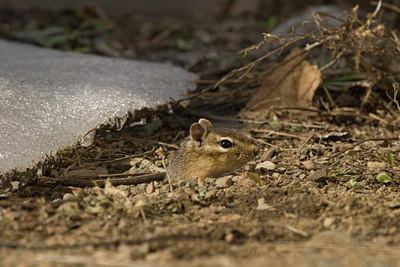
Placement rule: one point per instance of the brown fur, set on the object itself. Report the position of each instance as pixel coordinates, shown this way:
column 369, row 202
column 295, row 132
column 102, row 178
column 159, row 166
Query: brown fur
column 204, row 158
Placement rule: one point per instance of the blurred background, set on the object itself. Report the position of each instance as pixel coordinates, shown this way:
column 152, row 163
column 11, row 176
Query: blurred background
column 187, row 9
column 207, row 37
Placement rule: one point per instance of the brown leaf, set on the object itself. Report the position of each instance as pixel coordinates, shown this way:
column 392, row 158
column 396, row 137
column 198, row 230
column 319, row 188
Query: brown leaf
column 292, row 83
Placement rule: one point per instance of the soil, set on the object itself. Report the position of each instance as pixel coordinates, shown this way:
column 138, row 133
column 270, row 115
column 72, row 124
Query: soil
column 316, row 202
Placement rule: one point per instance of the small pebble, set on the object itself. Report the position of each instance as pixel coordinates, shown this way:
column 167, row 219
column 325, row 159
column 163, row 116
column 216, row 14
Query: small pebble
column 246, row 182
column 297, row 174
column 209, row 194
column 69, row 196
column 308, row 165
column 156, row 192
column 15, row 185
column 165, row 188
column 328, row 222
column 229, row 237
column 261, row 205
column 195, row 197
column 275, row 175
column 187, row 183
column 375, row 165
column 224, row 182
column 237, row 178
column 266, row 166
column 68, row 207
column 150, row 188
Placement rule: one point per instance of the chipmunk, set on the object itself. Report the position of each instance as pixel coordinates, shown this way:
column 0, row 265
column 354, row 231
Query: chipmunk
column 210, row 152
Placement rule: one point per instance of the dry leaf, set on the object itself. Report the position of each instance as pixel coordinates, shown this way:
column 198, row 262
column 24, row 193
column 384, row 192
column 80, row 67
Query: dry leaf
column 292, row 84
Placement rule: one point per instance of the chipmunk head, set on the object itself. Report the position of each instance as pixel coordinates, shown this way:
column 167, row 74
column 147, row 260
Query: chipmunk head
column 222, row 140
column 211, row 151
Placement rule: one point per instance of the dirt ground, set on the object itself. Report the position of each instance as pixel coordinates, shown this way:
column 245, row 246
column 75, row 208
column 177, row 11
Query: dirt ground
column 311, row 197
column 311, row 214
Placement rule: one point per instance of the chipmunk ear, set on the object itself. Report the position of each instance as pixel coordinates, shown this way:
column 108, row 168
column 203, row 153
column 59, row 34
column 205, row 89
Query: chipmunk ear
column 206, row 123
column 198, row 132
column 200, row 129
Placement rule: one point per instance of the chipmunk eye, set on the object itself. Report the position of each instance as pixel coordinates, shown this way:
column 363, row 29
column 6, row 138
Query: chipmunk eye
column 226, row 143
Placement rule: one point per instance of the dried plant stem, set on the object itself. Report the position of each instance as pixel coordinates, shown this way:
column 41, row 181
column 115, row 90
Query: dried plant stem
column 276, row 133
column 395, row 92
column 328, row 95
column 245, row 68
column 265, row 143
column 297, row 231
column 116, row 175
column 378, row 7
column 143, row 214
column 167, row 174
column 387, row 5
column 331, row 63
column 298, row 151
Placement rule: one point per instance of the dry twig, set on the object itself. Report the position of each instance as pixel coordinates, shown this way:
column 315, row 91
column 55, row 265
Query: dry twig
column 167, row 174
column 298, row 152
column 276, row 133
column 90, row 181
column 395, row 92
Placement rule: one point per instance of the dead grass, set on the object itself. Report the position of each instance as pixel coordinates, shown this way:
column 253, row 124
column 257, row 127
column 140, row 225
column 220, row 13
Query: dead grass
column 359, row 57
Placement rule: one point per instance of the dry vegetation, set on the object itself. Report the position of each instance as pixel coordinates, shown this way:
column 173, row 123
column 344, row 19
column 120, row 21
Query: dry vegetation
column 324, row 189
